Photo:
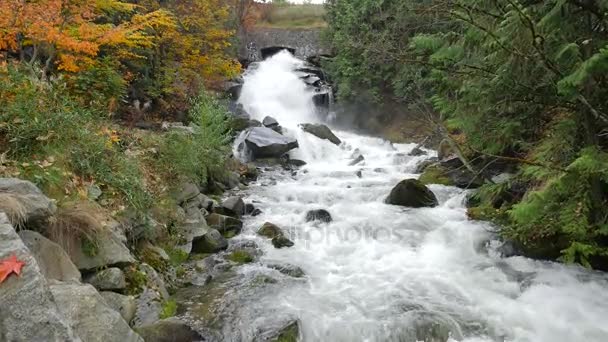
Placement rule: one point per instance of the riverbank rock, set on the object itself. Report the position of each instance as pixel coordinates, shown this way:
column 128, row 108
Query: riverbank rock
column 225, row 224
column 288, row 269
column 211, row 242
column 263, row 142
column 110, row 279
column 318, row 215
column 233, row 206
column 451, row 172
column 23, row 202
column 90, row 316
column 53, row 261
column 412, row 193
column 124, row 305
column 272, row 123
column 321, row 131
column 148, row 308
column 190, row 230
column 29, row 311
column 169, row 330
column 416, row 152
column 108, row 249
column 357, row 159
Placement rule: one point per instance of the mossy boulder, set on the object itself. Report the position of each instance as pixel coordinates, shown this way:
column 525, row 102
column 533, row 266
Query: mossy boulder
column 289, row 333
column 211, row 242
column 224, row 223
column 318, row 215
column 169, row 330
column 435, row 174
column 412, row 193
column 281, row 242
column 240, row 257
column 270, row 230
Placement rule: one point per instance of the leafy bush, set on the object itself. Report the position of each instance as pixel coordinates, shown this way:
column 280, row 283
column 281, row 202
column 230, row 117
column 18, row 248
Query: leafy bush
column 196, row 157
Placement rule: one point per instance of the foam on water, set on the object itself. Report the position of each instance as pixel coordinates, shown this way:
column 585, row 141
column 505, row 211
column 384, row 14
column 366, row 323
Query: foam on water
column 377, row 270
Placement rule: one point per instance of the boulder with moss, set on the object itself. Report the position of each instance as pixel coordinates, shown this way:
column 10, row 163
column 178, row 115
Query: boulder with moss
column 109, row 279
column 169, row 330
column 124, row 305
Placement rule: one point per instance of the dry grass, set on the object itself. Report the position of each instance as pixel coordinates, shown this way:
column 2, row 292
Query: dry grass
column 12, row 205
column 75, row 224
column 294, row 16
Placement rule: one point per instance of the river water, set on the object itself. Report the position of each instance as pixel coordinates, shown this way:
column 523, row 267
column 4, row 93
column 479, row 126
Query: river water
column 385, row 273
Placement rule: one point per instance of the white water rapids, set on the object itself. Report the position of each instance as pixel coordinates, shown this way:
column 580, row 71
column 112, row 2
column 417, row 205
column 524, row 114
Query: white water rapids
column 377, row 272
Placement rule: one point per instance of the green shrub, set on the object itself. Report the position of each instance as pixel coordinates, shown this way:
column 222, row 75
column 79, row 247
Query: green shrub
column 169, row 309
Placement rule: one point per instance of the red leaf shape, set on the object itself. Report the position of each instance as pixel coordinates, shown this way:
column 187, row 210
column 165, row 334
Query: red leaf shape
column 9, row 266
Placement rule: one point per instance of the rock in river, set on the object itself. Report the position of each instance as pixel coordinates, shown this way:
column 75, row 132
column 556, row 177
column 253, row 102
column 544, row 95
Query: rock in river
column 321, row 131
column 318, row 215
column 263, row 142
column 412, row 193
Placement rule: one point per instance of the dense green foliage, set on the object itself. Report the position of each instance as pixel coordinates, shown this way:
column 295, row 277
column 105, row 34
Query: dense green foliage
column 521, row 81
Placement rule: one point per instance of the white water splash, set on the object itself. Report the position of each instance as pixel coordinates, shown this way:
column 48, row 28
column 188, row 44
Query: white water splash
column 377, row 270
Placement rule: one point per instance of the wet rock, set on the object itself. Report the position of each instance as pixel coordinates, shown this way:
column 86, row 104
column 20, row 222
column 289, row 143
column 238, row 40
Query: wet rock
column 451, row 172
column 263, row 142
column 233, row 206
column 424, row 164
column 281, row 242
column 417, row 151
column 29, row 204
column 412, row 193
column 225, row 224
column 256, row 212
column 435, row 174
column 240, row 256
column 296, row 162
column 124, row 305
column 169, row 330
column 110, row 279
column 270, row 230
column 232, row 180
column 318, row 215
column 53, row 261
column 90, row 316
column 357, row 160
column 288, row 333
column 270, row 122
column 321, row 131
column 29, row 311
column 359, row 174
column 431, row 327
column 288, row 269
column 249, row 208
column 211, row 242
column 154, row 281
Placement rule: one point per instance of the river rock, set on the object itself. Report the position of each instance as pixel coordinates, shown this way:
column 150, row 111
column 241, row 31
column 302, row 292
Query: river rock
column 263, row 142
column 33, row 206
column 412, row 193
column 270, row 122
column 211, row 242
column 29, row 311
column 318, row 215
column 233, row 206
column 169, row 330
column 445, row 150
column 53, row 261
column 288, row 269
column 110, row 279
column 358, row 159
column 154, row 281
column 256, row 212
column 417, row 151
column 225, row 224
column 270, row 230
column 321, row 131
column 124, row 305
column 281, row 242
column 90, row 316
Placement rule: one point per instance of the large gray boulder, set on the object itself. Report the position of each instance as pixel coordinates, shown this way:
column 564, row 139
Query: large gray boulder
column 124, row 305
column 89, row 315
column 28, row 310
column 412, row 193
column 190, row 230
column 321, row 131
column 108, row 249
column 232, row 206
column 225, row 224
column 263, row 142
column 53, row 261
column 149, row 306
column 33, row 205
column 169, row 330
column 211, row 242
column 186, row 192
column 111, row 279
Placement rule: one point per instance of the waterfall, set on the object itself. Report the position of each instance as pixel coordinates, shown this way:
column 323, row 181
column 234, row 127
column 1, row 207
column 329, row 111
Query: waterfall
column 385, row 273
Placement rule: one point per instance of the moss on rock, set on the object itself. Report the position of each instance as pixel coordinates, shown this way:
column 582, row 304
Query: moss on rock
column 240, row 257
column 435, row 174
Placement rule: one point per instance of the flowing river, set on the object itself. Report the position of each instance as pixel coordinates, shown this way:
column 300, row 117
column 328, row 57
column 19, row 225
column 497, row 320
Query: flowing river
column 385, row 273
